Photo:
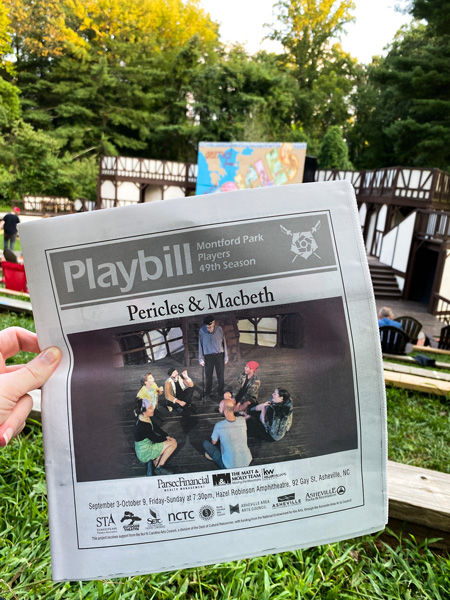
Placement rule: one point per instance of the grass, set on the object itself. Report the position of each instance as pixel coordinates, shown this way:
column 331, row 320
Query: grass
column 419, row 429
column 419, row 433
column 362, row 568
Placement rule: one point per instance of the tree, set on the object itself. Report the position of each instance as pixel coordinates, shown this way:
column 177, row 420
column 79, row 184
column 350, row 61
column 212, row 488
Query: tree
column 333, row 151
column 435, row 12
column 30, row 165
column 96, row 72
column 409, row 122
column 308, row 26
column 324, row 73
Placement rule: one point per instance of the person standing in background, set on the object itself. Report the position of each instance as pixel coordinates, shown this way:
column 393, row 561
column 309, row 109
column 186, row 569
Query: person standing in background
column 9, row 225
column 212, row 354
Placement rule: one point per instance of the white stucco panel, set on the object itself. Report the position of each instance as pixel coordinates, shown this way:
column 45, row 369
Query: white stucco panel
column 445, row 281
column 388, row 247
column 403, row 245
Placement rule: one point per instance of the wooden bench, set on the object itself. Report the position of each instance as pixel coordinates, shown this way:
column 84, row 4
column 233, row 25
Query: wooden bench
column 419, row 502
column 417, row 383
column 15, row 305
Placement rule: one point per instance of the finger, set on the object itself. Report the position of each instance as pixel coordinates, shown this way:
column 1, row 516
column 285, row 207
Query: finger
column 15, row 339
column 10, row 368
column 16, row 420
column 34, row 374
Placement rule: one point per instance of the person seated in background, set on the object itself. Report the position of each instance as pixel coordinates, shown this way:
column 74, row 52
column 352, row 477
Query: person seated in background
column 248, row 388
column 152, row 445
column 231, row 432
column 276, row 414
column 179, row 391
column 386, row 317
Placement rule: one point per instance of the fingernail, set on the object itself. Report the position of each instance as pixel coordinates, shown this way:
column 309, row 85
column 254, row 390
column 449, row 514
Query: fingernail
column 7, row 436
column 50, row 355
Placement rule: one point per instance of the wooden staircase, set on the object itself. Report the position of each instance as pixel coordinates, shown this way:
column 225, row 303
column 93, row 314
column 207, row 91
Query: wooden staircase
column 383, row 280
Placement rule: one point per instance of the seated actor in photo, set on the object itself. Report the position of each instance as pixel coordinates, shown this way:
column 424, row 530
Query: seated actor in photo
column 150, row 390
column 276, row 414
column 248, row 384
column 226, row 396
column 179, row 391
column 152, row 445
column 231, row 434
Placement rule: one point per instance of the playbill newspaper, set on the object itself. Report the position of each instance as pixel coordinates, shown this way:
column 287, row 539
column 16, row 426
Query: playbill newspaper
column 125, row 292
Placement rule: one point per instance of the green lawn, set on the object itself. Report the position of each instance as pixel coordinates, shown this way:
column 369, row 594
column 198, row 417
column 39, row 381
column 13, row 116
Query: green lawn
column 366, row 568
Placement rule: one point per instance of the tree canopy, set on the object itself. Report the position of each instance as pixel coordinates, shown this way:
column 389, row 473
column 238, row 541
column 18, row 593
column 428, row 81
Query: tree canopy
column 402, row 115
column 81, row 78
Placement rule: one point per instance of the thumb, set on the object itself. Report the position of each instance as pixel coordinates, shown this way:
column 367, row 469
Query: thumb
column 15, row 384
column 15, row 404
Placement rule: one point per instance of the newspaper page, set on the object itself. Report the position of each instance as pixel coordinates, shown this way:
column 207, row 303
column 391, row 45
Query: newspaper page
column 259, row 297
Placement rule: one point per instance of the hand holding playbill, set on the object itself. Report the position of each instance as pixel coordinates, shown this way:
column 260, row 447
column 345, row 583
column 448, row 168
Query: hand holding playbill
column 17, row 380
column 221, row 392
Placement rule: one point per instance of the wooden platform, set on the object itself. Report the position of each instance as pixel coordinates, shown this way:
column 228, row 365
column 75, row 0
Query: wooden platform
column 190, row 432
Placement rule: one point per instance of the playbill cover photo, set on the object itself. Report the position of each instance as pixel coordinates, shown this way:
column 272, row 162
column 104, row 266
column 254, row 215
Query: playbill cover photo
column 221, row 393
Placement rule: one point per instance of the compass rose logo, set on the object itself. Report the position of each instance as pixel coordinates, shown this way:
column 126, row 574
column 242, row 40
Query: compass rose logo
column 303, row 244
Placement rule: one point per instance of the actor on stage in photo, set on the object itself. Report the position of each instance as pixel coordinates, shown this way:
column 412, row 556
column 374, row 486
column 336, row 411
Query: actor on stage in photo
column 212, row 354
column 179, row 390
column 231, row 433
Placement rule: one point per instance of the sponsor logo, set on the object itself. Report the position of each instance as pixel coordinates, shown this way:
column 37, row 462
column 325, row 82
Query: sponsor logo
column 341, row 490
column 221, row 479
column 286, row 497
column 182, row 515
column 267, row 473
column 154, row 518
column 105, row 522
column 246, row 475
column 184, row 483
column 206, row 512
column 130, row 521
column 286, row 500
column 321, row 494
column 234, row 508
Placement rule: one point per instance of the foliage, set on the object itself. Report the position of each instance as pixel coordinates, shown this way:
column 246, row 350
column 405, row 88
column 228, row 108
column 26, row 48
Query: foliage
column 402, row 102
column 435, row 12
column 333, row 151
column 324, row 73
column 236, row 97
column 307, row 28
column 419, row 429
column 31, row 166
column 151, row 79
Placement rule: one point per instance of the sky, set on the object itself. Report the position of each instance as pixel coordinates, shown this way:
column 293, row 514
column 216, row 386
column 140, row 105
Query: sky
column 243, row 21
